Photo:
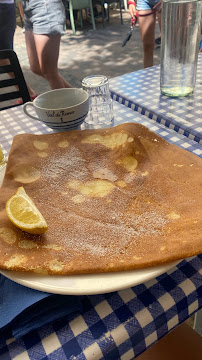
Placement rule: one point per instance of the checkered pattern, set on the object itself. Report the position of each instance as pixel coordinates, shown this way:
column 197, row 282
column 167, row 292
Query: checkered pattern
column 14, row 121
column 140, row 91
column 119, row 325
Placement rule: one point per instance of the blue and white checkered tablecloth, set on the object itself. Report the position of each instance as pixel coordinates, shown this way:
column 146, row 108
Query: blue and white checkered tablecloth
column 140, row 91
column 122, row 324
column 14, row 121
column 119, row 325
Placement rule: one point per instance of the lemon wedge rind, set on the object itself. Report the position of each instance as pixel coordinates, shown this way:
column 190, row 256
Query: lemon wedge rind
column 1, row 155
column 2, row 158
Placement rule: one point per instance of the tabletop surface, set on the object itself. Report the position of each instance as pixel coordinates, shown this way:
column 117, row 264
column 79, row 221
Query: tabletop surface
column 140, row 91
column 121, row 324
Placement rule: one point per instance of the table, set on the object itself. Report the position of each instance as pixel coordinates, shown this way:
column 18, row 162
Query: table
column 140, row 91
column 122, row 324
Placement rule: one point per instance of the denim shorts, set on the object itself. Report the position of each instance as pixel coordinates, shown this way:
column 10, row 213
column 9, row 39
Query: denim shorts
column 146, row 4
column 44, row 17
column 7, row 25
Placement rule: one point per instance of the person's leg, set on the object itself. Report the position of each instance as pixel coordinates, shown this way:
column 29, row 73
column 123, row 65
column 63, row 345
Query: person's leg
column 21, row 10
column 147, row 29
column 43, row 53
column 32, row 56
column 158, row 39
column 32, row 52
column 44, row 25
column 32, row 93
column 159, row 21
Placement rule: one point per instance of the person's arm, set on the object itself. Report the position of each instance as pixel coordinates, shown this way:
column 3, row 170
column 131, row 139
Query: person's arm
column 158, row 6
column 21, row 10
column 132, row 8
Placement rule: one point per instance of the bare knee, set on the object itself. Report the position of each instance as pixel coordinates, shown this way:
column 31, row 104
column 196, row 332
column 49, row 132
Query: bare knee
column 48, row 75
column 45, row 72
column 36, row 70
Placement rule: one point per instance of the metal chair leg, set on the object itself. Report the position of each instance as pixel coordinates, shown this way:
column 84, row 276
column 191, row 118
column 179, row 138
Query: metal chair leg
column 103, row 13
column 81, row 19
column 71, row 16
column 125, row 5
column 92, row 15
column 120, row 5
column 107, row 12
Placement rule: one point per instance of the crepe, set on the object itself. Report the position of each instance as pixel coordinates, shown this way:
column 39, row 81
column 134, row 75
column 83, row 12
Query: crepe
column 114, row 199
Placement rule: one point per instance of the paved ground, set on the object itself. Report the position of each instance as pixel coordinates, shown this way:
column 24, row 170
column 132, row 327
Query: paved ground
column 91, row 52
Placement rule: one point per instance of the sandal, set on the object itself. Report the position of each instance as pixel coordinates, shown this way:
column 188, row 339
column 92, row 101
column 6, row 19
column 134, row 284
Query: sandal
column 158, row 41
column 20, row 102
column 33, row 97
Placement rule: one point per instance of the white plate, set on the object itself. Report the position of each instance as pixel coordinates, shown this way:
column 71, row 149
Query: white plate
column 2, row 172
column 87, row 284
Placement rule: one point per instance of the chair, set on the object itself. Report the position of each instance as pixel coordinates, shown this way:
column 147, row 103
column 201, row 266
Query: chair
column 108, row 2
column 182, row 343
column 10, row 65
column 79, row 5
column 125, row 5
column 198, row 322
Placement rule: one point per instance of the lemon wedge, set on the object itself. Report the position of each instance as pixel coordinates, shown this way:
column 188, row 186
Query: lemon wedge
column 1, row 155
column 23, row 213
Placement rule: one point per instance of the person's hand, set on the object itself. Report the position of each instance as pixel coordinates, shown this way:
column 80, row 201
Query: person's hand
column 132, row 10
column 158, row 6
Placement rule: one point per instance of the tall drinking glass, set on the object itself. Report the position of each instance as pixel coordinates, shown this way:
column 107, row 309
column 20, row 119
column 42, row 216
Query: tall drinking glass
column 179, row 46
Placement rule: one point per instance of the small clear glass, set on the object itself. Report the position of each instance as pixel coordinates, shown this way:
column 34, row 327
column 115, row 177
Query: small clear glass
column 100, row 103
